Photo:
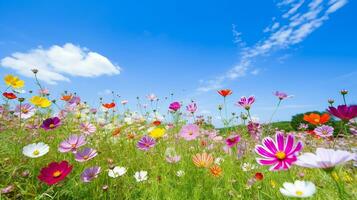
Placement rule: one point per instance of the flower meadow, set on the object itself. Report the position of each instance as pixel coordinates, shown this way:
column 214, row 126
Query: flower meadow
column 56, row 146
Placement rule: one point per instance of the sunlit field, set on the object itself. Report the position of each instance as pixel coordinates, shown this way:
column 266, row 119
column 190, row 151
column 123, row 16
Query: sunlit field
column 56, row 146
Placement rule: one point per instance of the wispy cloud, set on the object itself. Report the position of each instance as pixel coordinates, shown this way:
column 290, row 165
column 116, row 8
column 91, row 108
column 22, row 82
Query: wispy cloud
column 57, row 62
column 298, row 20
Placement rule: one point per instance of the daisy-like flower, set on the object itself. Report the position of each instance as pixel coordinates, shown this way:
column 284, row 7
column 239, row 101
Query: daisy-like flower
column 324, row 131
column 232, row 140
column 299, row 189
column 344, row 112
column 90, row 173
column 51, row 123
column 72, row 143
column 225, row 92
column 116, row 172
column 324, row 158
column 35, row 150
column 54, row 172
column 192, row 107
column 190, row 132
column 281, row 95
column 174, row 106
column 87, row 128
column 216, row 170
column 245, row 102
column 141, row 176
column 85, row 155
column 146, row 143
column 157, row 132
column 25, row 111
column 203, row 160
column 13, row 81
column 280, row 154
column 246, row 167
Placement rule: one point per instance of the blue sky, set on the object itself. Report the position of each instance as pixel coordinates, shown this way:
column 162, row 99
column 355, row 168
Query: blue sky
column 191, row 48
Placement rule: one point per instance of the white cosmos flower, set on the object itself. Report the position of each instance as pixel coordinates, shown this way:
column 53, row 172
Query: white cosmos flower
column 299, row 189
column 35, row 150
column 116, row 172
column 141, row 176
column 180, row 173
column 324, row 158
column 247, row 167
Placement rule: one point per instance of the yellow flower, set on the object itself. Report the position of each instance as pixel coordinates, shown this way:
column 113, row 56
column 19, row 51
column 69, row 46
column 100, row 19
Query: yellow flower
column 273, row 183
column 14, row 81
column 157, row 133
column 40, row 101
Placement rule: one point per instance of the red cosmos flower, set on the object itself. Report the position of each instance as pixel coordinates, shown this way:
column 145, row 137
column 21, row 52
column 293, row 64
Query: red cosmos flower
column 9, row 95
column 259, row 176
column 109, row 105
column 156, row 123
column 54, row 172
column 66, row 97
column 225, row 92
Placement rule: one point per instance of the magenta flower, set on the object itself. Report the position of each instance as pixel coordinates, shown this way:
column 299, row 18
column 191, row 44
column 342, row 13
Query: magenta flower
column 280, row 154
column 344, row 112
column 324, row 131
column 90, row 173
column 281, row 95
column 72, row 143
column 232, row 140
column 192, row 107
column 146, row 143
column 75, row 100
column 190, row 132
column 51, row 123
column 245, row 102
column 175, row 106
column 85, row 154
column 254, row 129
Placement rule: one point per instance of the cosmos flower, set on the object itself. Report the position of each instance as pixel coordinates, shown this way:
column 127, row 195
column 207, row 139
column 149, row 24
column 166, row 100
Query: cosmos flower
column 254, row 129
column 190, row 132
column 87, row 128
column 13, row 81
column 280, row 154
column 66, row 97
column 54, row 172
column 72, row 143
column 258, row 176
column 9, row 95
column 316, row 119
column 344, row 112
column 89, row 174
column 85, row 155
column 35, row 150
column 175, row 106
column 202, row 160
column 281, row 95
column 146, row 143
column 324, row 158
column 299, row 189
column 232, row 140
column 26, row 111
column 40, row 101
column 51, row 123
column 215, row 170
column 324, row 131
column 108, row 105
column 245, row 102
column 225, row 92
column 116, row 172
column 151, row 97
column 192, row 107
column 157, row 132
column 141, row 176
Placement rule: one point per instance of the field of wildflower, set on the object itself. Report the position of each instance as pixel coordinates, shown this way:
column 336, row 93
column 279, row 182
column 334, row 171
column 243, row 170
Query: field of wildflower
column 56, row 146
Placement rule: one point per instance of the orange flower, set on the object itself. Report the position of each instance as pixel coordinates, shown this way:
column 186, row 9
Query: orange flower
column 225, row 92
column 216, row 170
column 202, row 160
column 66, row 97
column 156, row 123
column 109, row 105
column 9, row 95
column 116, row 132
column 316, row 119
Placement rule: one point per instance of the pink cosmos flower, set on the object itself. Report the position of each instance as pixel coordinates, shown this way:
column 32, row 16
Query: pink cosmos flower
column 232, row 140
column 281, row 95
column 90, row 173
column 324, row 131
column 146, row 143
column 87, row 128
column 190, row 132
column 245, row 102
column 151, row 97
column 192, row 107
column 280, row 154
column 85, row 154
column 255, row 129
column 72, row 143
column 175, row 106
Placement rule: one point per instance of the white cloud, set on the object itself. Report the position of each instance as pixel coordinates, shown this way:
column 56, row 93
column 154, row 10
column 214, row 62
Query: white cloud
column 57, row 62
column 300, row 20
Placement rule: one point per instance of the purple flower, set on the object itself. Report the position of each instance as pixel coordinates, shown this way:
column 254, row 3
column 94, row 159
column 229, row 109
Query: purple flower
column 175, row 106
column 146, row 143
column 72, row 143
column 281, row 95
column 280, row 154
column 192, row 107
column 74, row 100
column 90, row 173
column 344, row 112
column 190, row 132
column 254, row 129
column 232, row 140
column 51, row 123
column 324, row 131
column 85, row 154
column 245, row 102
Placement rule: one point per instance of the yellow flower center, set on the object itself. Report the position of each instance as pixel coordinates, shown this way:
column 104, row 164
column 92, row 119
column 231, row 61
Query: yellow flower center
column 24, row 110
column 280, row 155
column 299, row 193
column 190, row 133
column 56, row 174
column 36, row 152
column 52, row 125
column 317, row 120
column 85, row 157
